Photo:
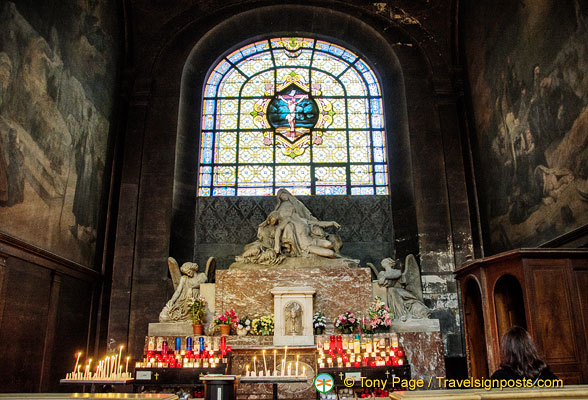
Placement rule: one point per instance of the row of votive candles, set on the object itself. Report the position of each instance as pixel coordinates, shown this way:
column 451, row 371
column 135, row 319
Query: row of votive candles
column 356, row 345
column 160, row 344
column 287, row 368
column 109, row 368
column 390, row 356
column 183, row 359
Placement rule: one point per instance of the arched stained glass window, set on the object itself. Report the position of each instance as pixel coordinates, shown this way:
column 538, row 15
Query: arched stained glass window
column 295, row 113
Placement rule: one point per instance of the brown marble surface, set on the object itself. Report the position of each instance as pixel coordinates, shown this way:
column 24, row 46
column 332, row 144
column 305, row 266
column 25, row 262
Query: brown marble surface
column 337, row 289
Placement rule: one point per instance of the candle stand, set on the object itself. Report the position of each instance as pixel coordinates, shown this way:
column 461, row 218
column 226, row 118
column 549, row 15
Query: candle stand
column 94, row 382
column 274, row 380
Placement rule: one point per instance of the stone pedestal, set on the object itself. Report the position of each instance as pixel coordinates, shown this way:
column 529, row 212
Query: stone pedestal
column 340, row 289
column 293, row 316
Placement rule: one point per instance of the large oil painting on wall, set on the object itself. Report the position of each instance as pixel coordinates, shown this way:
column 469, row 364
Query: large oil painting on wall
column 527, row 62
column 57, row 75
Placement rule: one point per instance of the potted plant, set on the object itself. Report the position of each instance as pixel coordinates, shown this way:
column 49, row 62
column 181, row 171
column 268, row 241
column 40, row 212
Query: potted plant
column 225, row 320
column 263, row 326
column 380, row 316
column 244, row 326
column 319, row 323
column 197, row 309
column 346, row 322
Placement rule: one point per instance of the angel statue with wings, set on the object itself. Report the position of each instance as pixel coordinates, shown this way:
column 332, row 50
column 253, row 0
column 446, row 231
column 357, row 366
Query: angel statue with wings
column 404, row 292
column 187, row 283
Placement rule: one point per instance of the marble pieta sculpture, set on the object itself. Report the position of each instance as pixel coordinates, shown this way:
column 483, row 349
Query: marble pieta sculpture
column 403, row 287
column 291, row 230
column 187, row 283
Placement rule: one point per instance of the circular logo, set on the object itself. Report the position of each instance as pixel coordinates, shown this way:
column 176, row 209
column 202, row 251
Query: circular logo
column 323, row 383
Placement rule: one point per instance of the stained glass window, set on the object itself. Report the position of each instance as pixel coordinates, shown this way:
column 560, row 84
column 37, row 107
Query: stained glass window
column 295, row 113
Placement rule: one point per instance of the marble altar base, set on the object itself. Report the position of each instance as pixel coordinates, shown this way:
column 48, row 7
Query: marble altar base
column 340, row 289
column 170, row 329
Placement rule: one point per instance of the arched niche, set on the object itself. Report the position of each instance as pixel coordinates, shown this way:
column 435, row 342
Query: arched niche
column 377, row 46
column 509, row 304
column 476, row 334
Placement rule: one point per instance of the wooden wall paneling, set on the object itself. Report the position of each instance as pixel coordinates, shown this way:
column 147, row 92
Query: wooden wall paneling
column 552, row 319
column 23, row 329
column 579, row 277
column 71, row 330
column 48, row 348
column 3, row 268
column 45, row 316
column 475, row 331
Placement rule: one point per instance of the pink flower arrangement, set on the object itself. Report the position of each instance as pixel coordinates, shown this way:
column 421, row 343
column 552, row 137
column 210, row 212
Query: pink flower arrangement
column 380, row 316
column 346, row 322
column 227, row 318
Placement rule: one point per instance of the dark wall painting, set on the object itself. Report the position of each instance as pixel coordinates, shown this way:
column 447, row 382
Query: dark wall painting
column 527, row 63
column 57, row 79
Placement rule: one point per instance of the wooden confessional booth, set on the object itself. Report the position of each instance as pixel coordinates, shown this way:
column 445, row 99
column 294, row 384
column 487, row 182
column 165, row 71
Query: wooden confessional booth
column 543, row 290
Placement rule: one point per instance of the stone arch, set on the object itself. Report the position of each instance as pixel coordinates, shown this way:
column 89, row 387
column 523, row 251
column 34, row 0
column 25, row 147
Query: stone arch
column 394, row 66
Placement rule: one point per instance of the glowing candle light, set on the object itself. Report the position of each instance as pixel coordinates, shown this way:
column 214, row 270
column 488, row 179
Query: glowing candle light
column 77, row 361
column 297, row 360
column 127, row 366
column 119, row 357
column 264, row 364
column 254, row 366
column 247, row 370
column 275, row 356
column 303, row 371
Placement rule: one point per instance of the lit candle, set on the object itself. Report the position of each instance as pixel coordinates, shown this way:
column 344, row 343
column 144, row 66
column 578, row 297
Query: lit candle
column 119, row 371
column 247, row 370
column 77, row 361
column 275, row 356
column 264, row 364
column 119, row 357
column 127, row 366
column 289, row 369
column 283, row 367
column 89, row 370
column 303, row 371
column 297, row 359
column 254, row 366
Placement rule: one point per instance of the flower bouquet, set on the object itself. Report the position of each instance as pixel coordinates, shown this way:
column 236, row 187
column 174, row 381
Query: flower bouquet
column 244, row 326
column 319, row 323
column 346, row 322
column 263, row 326
column 380, row 318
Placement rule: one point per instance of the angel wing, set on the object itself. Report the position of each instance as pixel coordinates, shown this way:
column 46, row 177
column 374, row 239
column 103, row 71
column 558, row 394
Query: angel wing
column 412, row 276
column 210, row 269
column 374, row 269
column 174, row 271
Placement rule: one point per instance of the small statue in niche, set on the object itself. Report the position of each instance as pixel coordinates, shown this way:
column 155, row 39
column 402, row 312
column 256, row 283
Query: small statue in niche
column 404, row 292
column 187, row 283
column 293, row 319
